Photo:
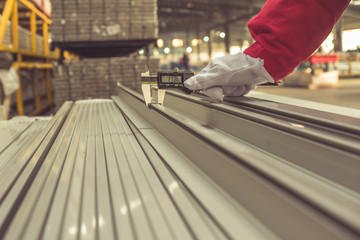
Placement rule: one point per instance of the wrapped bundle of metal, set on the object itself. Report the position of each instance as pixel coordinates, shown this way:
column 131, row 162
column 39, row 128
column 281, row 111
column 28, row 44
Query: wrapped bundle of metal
column 7, row 36
column 104, row 20
column 24, row 39
column 97, row 77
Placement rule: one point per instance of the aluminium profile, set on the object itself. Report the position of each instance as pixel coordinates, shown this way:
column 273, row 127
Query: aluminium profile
column 274, row 172
column 15, row 180
column 330, row 153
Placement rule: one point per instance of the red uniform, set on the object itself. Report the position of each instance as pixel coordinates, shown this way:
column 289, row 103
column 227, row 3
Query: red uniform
column 287, row 32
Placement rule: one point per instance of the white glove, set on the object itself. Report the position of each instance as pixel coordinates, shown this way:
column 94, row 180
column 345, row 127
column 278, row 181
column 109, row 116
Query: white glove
column 233, row 75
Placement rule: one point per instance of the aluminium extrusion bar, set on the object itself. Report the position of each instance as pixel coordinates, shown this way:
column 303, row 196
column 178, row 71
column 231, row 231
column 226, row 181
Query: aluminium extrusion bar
column 96, row 182
column 227, row 160
column 178, row 229
column 136, row 187
column 330, row 153
column 39, row 194
column 330, row 117
column 261, row 98
column 10, row 131
column 231, row 220
column 119, row 170
column 197, row 220
column 16, row 177
column 157, row 216
column 321, row 123
column 20, row 143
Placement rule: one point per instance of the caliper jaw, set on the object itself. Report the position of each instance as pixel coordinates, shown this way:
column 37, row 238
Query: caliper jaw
column 147, row 83
column 162, row 81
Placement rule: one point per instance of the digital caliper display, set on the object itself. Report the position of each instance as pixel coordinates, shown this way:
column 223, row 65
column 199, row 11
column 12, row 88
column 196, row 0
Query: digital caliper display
column 171, row 79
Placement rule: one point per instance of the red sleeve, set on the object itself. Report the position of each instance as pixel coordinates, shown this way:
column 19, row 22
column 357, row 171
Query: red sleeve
column 287, row 32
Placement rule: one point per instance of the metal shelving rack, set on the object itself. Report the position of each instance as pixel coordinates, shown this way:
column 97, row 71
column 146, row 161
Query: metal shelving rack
column 34, row 57
column 350, row 71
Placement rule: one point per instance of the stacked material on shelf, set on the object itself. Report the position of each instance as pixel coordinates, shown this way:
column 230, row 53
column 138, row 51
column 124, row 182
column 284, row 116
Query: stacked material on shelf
column 349, row 64
column 104, row 20
column 97, row 77
column 24, row 39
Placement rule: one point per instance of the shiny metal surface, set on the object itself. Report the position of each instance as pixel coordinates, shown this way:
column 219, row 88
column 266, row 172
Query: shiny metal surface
column 330, row 115
column 279, row 171
column 266, row 98
column 191, row 169
column 17, row 175
column 311, row 146
column 98, row 182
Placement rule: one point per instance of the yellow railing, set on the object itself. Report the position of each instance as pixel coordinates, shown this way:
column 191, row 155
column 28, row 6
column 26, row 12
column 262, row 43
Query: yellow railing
column 10, row 13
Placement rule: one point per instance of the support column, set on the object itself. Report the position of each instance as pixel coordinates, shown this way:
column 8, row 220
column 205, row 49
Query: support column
column 338, row 35
column 48, row 87
column 6, row 13
column 14, row 26
column 187, row 39
column 36, row 89
column 227, row 39
column 33, row 31
column 19, row 99
column 209, row 44
column 198, row 45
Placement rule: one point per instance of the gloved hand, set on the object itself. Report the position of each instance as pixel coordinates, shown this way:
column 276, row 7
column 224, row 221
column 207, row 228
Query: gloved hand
column 233, row 75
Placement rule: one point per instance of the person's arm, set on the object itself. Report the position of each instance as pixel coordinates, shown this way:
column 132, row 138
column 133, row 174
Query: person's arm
column 287, row 32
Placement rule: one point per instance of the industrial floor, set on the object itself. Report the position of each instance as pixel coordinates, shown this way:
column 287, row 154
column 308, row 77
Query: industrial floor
column 348, row 95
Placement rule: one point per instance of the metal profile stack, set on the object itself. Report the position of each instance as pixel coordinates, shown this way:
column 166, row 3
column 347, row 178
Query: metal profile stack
column 97, row 77
column 97, row 173
column 101, row 28
column 127, row 70
column 20, row 161
column 15, row 131
column 104, row 20
column 190, row 169
column 24, row 39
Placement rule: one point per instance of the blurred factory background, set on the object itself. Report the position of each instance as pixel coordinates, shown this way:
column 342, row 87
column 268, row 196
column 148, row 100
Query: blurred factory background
column 47, row 40
column 83, row 156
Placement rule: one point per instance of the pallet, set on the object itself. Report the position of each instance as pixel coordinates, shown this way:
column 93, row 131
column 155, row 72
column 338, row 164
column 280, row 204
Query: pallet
column 313, row 86
column 305, row 80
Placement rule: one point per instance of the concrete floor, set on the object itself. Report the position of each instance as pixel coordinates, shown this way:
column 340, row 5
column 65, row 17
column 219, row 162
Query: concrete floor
column 348, row 95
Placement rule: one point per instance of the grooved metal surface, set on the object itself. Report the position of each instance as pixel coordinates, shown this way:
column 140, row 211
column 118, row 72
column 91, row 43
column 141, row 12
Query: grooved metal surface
column 191, row 169
column 283, row 186
column 324, row 143
column 20, row 166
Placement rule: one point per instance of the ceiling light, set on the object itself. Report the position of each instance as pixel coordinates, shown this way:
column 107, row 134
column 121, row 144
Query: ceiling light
column 167, row 50
column 195, row 42
column 177, row 42
column 160, row 43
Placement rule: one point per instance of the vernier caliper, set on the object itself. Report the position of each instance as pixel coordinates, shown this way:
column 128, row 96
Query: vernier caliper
column 162, row 81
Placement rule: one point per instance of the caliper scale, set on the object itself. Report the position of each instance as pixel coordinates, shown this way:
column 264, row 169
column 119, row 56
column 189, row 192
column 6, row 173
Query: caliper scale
column 162, row 81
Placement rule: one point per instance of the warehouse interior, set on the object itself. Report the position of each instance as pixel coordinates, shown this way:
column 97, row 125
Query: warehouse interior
column 101, row 139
